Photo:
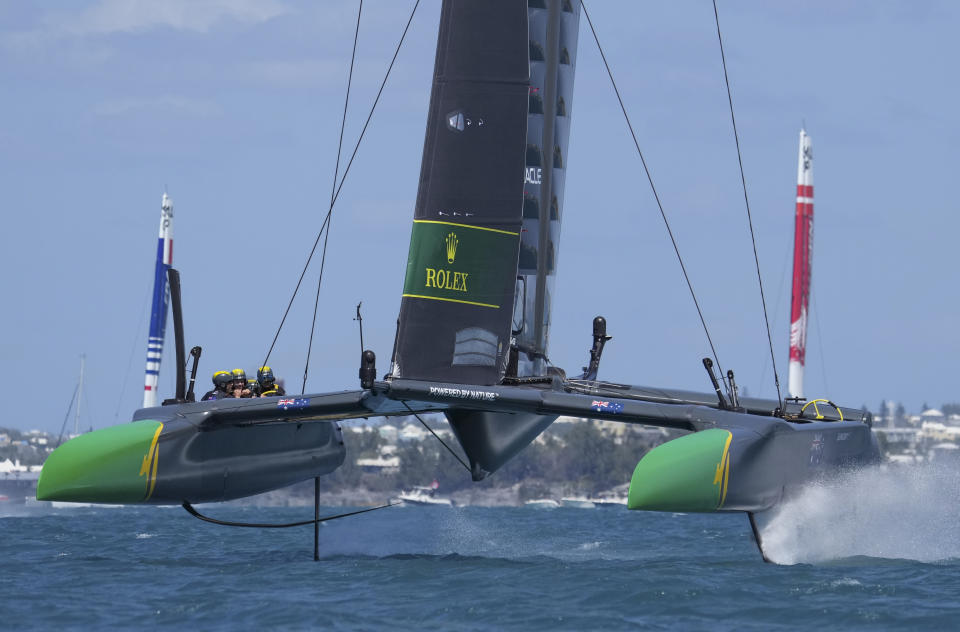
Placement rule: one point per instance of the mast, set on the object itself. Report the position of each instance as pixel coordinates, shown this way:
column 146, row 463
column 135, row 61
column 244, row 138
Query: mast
column 802, row 259
column 76, row 412
column 158, row 313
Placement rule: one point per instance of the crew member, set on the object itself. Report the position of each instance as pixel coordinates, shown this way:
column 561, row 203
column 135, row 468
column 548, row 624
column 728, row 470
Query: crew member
column 221, row 383
column 238, row 386
column 268, row 383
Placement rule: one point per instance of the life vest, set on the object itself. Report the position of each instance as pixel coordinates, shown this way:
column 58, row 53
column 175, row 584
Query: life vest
column 273, row 391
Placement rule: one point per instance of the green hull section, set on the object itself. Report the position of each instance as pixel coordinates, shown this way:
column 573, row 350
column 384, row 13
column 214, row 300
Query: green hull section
column 112, row 465
column 688, row 474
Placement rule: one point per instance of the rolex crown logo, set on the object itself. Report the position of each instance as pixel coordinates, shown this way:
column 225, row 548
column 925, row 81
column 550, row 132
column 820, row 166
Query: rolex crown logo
column 452, row 243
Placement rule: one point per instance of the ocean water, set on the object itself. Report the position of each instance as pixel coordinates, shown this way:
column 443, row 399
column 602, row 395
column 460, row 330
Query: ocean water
column 475, row 568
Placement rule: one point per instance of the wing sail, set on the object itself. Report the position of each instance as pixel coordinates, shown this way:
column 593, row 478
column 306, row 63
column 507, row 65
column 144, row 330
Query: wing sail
column 458, row 292
column 553, row 57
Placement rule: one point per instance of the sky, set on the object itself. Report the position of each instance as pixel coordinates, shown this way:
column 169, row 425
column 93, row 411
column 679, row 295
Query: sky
column 234, row 108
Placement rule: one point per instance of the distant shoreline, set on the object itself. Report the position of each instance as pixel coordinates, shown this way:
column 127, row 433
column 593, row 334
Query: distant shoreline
column 301, row 495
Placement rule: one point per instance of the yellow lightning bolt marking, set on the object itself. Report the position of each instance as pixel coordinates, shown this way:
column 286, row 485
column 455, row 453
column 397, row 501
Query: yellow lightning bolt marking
column 722, row 475
column 150, row 461
column 153, row 475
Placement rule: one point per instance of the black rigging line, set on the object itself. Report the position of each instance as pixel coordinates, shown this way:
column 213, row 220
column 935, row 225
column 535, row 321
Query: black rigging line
column 63, row 426
column 437, row 437
column 346, row 102
column 333, row 189
column 343, row 179
column 133, row 349
column 295, row 290
column 655, row 195
column 776, row 313
column 743, row 181
column 375, row 101
column 316, row 302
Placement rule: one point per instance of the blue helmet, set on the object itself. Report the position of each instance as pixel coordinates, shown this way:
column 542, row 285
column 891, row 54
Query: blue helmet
column 265, row 376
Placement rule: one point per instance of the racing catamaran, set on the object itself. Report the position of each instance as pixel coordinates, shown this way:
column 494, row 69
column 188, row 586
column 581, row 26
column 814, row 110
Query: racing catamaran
column 473, row 329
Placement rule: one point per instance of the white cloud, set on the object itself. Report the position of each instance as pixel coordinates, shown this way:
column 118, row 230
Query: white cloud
column 133, row 16
column 112, row 16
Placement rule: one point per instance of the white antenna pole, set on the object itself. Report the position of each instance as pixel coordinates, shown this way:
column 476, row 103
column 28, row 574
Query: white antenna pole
column 76, row 417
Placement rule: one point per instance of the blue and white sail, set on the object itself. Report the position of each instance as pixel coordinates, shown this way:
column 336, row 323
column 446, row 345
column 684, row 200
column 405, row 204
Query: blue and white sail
column 158, row 313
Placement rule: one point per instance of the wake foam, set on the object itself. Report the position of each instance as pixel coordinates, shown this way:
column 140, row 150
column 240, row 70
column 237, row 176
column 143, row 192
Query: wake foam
column 893, row 512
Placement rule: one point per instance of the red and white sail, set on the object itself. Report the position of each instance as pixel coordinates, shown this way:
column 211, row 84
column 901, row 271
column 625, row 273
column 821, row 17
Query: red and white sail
column 802, row 259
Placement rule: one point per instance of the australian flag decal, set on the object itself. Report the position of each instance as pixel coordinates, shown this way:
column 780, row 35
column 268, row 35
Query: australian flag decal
column 287, row 404
column 607, row 407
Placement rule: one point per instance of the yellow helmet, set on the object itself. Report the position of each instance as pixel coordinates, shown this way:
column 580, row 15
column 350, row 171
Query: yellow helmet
column 222, row 378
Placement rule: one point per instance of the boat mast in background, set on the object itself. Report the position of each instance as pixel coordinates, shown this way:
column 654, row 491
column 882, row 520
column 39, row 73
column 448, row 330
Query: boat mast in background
column 76, row 412
column 802, row 256
column 158, row 313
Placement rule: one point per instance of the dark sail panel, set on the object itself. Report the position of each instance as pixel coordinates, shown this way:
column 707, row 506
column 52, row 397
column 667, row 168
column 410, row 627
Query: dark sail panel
column 553, row 27
column 458, row 294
